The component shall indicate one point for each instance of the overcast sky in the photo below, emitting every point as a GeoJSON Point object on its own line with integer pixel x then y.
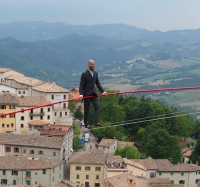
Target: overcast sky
{"type": "Point", "coordinates": [161, 15]}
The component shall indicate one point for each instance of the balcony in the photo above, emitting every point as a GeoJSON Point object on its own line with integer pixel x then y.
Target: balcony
{"type": "Point", "coordinates": [36, 113]}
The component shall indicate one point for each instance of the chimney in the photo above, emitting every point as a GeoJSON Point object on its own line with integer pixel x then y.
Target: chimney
{"type": "Point", "coordinates": [131, 183]}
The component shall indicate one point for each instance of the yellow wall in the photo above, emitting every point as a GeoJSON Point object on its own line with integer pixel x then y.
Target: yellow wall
{"type": "Point", "coordinates": [82, 174]}
{"type": "Point", "coordinates": [136, 171]}
{"type": "Point", "coordinates": [7, 120]}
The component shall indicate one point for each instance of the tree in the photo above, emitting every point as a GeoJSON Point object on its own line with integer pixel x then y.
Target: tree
{"type": "Point", "coordinates": [159, 146]}
{"type": "Point", "coordinates": [128, 152]}
{"type": "Point", "coordinates": [77, 144]}
{"type": "Point", "coordinates": [71, 106]}
{"type": "Point", "coordinates": [195, 154]}
{"type": "Point", "coordinates": [78, 113]}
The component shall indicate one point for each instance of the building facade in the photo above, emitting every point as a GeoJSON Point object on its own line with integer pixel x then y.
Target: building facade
{"type": "Point", "coordinates": [16, 170]}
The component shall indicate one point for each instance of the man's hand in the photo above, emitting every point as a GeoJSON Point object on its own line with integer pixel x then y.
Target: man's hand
{"type": "Point", "coordinates": [104, 93]}
{"type": "Point", "coordinates": [81, 97]}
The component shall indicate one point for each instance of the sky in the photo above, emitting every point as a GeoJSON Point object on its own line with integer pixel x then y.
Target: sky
{"type": "Point", "coordinates": [161, 15]}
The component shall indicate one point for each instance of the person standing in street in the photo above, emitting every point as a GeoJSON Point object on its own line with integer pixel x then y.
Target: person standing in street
{"type": "Point", "coordinates": [89, 79]}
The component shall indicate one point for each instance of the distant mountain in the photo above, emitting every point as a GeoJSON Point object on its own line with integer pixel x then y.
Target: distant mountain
{"type": "Point", "coordinates": [40, 30]}
{"type": "Point", "coordinates": [56, 60]}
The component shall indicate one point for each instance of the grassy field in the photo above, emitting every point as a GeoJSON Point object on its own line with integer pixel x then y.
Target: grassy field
{"type": "Point", "coordinates": [115, 80]}
{"type": "Point", "coordinates": [172, 75]}
{"type": "Point", "coordinates": [121, 87]}
{"type": "Point", "coordinates": [184, 98]}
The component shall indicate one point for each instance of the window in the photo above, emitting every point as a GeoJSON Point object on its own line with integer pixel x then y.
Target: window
{"type": "Point", "coordinates": [65, 113]}
{"type": "Point", "coordinates": [52, 96]}
{"type": "Point", "coordinates": [64, 96]}
{"type": "Point", "coordinates": [44, 171]}
{"type": "Point", "coordinates": [78, 167]}
{"type": "Point", "coordinates": [24, 151]}
{"type": "Point", "coordinates": [182, 174]}
{"type": "Point", "coordinates": [172, 182]}
{"type": "Point", "coordinates": [19, 92]}
{"type": "Point", "coordinates": [3, 125]}
{"type": "Point", "coordinates": [77, 176]}
{"type": "Point", "coordinates": [64, 105]}
{"type": "Point", "coordinates": [181, 182]}
{"type": "Point", "coordinates": [52, 179]}
{"type": "Point", "coordinates": [22, 125]}
{"type": "Point", "coordinates": [14, 172]}
{"type": "Point", "coordinates": [7, 125]}
{"type": "Point", "coordinates": [16, 150]}
{"type": "Point", "coordinates": [12, 115]}
{"type": "Point", "coordinates": [7, 149]}
{"type": "Point", "coordinates": [87, 176]}
{"type": "Point", "coordinates": [55, 114]}
{"type": "Point", "coordinates": [12, 107]}
{"type": "Point", "coordinates": [22, 118]}
{"type": "Point", "coordinates": [3, 116]}
{"type": "Point", "coordinates": [12, 125]}
{"type": "Point", "coordinates": [41, 117]}
{"type": "Point", "coordinates": [97, 168]}
{"type": "Point", "coordinates": [54, 153]}
{"type": "Point", "coordinates": [97, 176]}
{"type": "Point", "coordinates": [4, 172]}
{"type": "Point", "coordinates": [53, 170]}
{"type": "Point", "coordinates": [60, 114]}
{"type": "Point", "coordinates": [31, 117]}
{"type": "Point", "coordinates": [48, 117]}
{"type": "Point", "coordinates": [49, 109]}
{"type": "Point", "coordinates": [2, 106]}
{"type": "Point", "coordinates": [23, 92]}
{"type": "Point", "coordinates": [40, 153]}
{"type": "Point", "coordinates": [31, 151]}
{"type": "Point", "coordinates": [59, 175]}
{"type": "Point", "coordinates": [14, 182]}
{"type": "Point", "coordinates": [152, 174]}
{"type": "Point", "coordinates": [60, 167]}
{"type": "Point", "coordinates": [172, 173]}
{"type": "Point", "coordinates": [197, 180]}
{"type": "Point", "coordinates": [87, 168]}
{"type": "Point", "coordinates": [160, 174]}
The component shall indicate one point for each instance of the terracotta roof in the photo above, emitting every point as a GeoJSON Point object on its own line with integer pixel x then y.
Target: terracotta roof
{"type": "Point", "coordinates": [31, 141]}
{"type": "Point", "coordinates": [92, 156]}
{"type": "Point", "coordinates": [148, 163]}
{"type": "Point", "coordinates": [25, 163]}
{"type": "Point", "coordinates": [188, 153]}
{"type": "Point", "coordinates": [24, 80]}
{"type": "Point", "coordinates": [48, 87]}
{"type": "Point", "coordinates": [162, 164]}
{"type": "Point", "coordinates": [107, 142]}
{"type": "Point", "coordinates": [37, 122]}
{"type": "Point", "coordinates": [165, 165]}
{"type": "Point", "coordinates": [8, 98]}
{"type": "Point", "coordinates": [123, 180]}
{"type": "Point", "coordinates": [28, 101]}
{"type": "Point", "coordinates": [3, 70]}
{"type": "Point", "coordinates": [131, 162]}
{"type": "Point", "coordinates": [164, 182]}
{"type": "Point", "coordinates": [62, 127]}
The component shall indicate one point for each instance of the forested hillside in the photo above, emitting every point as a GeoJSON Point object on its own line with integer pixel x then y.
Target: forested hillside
{"type": "Point", "coordinates": [152, 124]}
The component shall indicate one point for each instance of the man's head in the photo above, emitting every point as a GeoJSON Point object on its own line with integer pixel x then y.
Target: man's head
{"type": "Point", "coordinates": [91, 65]}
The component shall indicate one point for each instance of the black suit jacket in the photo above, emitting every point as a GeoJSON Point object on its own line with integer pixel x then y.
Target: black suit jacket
{"type": "Point", "coordinates": [87, 84]}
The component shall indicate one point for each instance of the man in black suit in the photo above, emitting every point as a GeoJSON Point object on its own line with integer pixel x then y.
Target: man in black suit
{"type": "Point", "coordinates": [89, 79]}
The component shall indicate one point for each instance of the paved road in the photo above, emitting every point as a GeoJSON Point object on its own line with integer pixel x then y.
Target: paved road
{"type": "Point", "coordinates": [184, 149]}
{"type": "Point", "coordinates": [92, 141]}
